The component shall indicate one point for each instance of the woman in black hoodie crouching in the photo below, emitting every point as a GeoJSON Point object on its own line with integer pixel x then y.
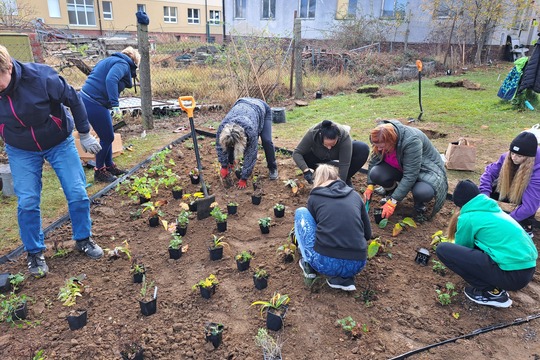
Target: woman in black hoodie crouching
{"type": "Point", "coordinates": [332, 230]}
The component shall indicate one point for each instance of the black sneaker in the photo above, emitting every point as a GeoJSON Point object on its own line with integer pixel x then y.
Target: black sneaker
{"type": "Point", "coordinates": [346, 284]}
{"type": "Point", "coordinates": [36, 265]}
{"type": "Point", "coordinates": [89, 247]}
{"type": "Point", "coordinates": [273, 174]}
{"type": "Point", "coordinates": [102, 175]}
{"type": "Point", "coordinates": [113, 169]}
{"type": "Point", "coordinates": [308, 271]}
{"type": "Point", "coordinates": [495, 297]}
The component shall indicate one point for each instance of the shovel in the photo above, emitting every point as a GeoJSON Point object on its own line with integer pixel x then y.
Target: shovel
{"type": "Point", "coordinates": [203, 205]}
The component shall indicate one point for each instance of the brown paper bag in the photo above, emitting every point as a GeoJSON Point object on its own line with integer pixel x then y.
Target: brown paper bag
{"type": "Point", "coordinates": [461, 155]}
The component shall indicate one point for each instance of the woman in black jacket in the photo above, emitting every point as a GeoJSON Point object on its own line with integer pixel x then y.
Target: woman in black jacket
{"type": "Point", "coordinates": [332, 230]}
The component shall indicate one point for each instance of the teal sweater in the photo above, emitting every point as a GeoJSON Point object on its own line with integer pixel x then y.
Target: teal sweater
{"type": "Point", "coordinates": [483, 224]}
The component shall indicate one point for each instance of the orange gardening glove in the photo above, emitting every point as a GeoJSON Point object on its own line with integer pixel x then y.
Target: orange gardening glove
{"type": "Point", "coordinates": [224, 172]}
{"type": "Point", "coordinates": [242, 184]}
{"type": "Point", "coordinates": [388, 209]}
{"type": "Point", "coordinates": [368, 193]}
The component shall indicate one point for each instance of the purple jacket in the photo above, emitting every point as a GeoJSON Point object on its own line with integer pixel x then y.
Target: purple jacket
{"type": "Point", "coordinates": [531, 196]}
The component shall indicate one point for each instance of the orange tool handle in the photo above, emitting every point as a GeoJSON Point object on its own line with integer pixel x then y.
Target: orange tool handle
{"type": "Point", "coordinates": [188, 110]}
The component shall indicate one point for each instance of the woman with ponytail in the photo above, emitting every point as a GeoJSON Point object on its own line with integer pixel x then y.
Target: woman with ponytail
{"type": "Point", "coordinates": [492, 252]}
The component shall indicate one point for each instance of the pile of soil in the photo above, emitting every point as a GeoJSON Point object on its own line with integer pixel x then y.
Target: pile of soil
{"type": "Point", "coordinates": [395, 299]}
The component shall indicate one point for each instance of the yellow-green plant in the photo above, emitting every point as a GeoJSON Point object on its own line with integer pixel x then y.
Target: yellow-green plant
{"type": "Point", "coordinates": [261, 273]}
{"type": "Point", "coordinates": [71, 290]}
{"type": "Point", "coordinates": [218, 215]}
{"type": "Point", "coordinates": [118, 250]}
{"type": "Point", "coordinates": [287, 249]}
{"type": "Point", "coordinates": [437, 238]}
{"type": "Point", "coordinates": [400, 226]}
{"type": "Point", "coordinates": [183, 218]}
{"type": "Point", "coordinates": [217, 242]}
{"type": "Point", "coordinates": [445, 295]}
{"type": "Point", "coordinates": [210, 281]}
{"type": "Point", "coordinates": [377, 246]}
{"type": "Point", "coordinates": [276, 302]}
{"type": "Point", "coordinates": [244, 256]}
{"type": "Point", "coordinates": [265, 221]}
{"type": "Point", "coordinates": [145, 286]}
{"type": "Point", "coordinates": [175, 242]}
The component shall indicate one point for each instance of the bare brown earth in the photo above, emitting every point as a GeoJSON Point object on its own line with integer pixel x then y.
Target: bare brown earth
{"type": "Point", "coordinates": [402, 314]}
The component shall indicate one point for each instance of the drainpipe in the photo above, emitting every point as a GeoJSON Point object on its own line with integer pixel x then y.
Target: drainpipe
{"type": "Point", "coordinates": [99, 19]}
{"type": "Point", "coordinates": [206, 20]}
{"type": "Point", "coordinates": [223, 19]}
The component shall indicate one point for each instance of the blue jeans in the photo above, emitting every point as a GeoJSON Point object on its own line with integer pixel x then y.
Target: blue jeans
{"type": "Point", "coordinates": [304, 229]}
{"type": "Point", "coordinates": [101, 121]}
{"type": "Point", "coordinates": [26, 170]}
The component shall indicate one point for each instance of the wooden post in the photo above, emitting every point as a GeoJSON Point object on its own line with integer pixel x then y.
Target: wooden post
{"type": "Point", "coordinates": [298, 88]}
{"type": "Point", "coordinates": [146, 80]}
{"type": "Point", "coordinates": [292, 61]}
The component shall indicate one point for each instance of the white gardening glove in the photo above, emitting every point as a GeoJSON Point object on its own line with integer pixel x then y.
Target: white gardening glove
{"type": "Point", "coordinates": [117, 113]}
{"type": "Point", "coordinates": [89, 143]}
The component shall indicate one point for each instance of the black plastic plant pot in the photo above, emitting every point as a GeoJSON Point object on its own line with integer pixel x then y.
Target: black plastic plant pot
{"type": "Point", "coordinates": [216, 337]}
{"type": "Point", "coordinates": [5, 285]}
{"type": "Point", "coordinates": [318, 95]}
{"type": "Point", "coordinates": [377, 215]}
{"type": "Point", "coordinates": [265, 229]}
{"type": "Point", "coordinates": [279, 213]}
{"type": "Point", "coordinates": [181, 230]}
{"type": "Point", "coordinates": [193, 207]}
{"type": "Point", "coordinates": [138, 355]}
{"type": "Point", "coordinates": [232, 209]}
{"type": "Point", "coordinates": [422, 256]}
{"type": "Point", "coordinates": [207, 293]}
{"type": "Point", "coordinates": [238, 174]}
{"type": "Point", "coordinates": [77, 320]}
{"type": "Point", "coordinates": [260, 282]}
{"type": "Point", "coordinates": [267, 356]}
{"type": "Point", "coordinates": [274, 318]}
{"type": "Point", "coordinates": [256, 200]}
{"type": "Point", "coordinates": [153, 221]}
{"type": "Point", "coordinates": [216, 253]}
{"type": "Point", "coordinates": [222, 226]}
{"type": "Point", "coordinates": [21, 312]}
{"type": "Point", "coordinates": [143, 199]}
{"type": "Point", "coordinates": [288, 258]}
{"type": "Point", "coordinates": [242, 265]}
{"type": "Point", "coordinates": [138, 278]}
{"type": "Point", "coordinates": [148, 307]}
{"type": "Point", "coordinates": [175, 253]}
{"type": "Point", "coordinates": [177, 194]}
{"type": "Point", "coordinates": [195, 179]}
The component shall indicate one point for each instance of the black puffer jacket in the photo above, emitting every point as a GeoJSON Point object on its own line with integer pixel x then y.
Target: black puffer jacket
{"type": "Point", "coordinates": [531, 74]}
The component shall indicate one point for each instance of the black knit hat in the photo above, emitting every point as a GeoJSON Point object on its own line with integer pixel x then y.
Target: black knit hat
{"type": "Point", "coordinates": [465, 191]}
{"type": "Point", "coordinates": [524, 144]}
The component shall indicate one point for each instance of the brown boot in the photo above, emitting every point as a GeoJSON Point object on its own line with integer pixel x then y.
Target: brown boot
{"type": "Point", "coordinates": [102, 175]}
{"type": "Point", "coordinates": [113, 169]}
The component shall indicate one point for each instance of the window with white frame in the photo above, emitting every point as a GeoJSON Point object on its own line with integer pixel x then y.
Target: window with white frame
{"type": "Point", "coordinates": [268, 9]}
{"type": "Point", "coordinates": [81, 12]}
{"type": "Point", "coordinates": [239, 9]}
{"type": "Point", "coordinates": [141, 7]}
{"type": "Point", "coordinates": [107, 10]}
{"type": "Point", "coordinates": [394, 8]}
{"type": "Point", "coordinates": [215, 17]}
{"type": "Point", "coordinates": [54, 8]}
{"type": "Point", "coordinates": [307, 9]}
{"type": "Point", "coordinates": [353, 6]}
{"type": "Point", "coordinates": [169, 14]}
{"type": "Point", "coordinates": [193, 16]}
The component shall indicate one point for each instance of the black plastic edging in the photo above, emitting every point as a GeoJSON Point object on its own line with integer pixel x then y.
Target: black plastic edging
{"type": "Point", "coordinates": [12, 256]}
{"type": "Point", "coordinates": [483, 330]}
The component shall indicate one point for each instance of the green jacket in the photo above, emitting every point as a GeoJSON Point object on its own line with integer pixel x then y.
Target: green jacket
{"type": "Point", "coordinates": [483, 224]}
{"type": "Point", "coordinates": [313, 142]}
{"type": "Point", "coordinates": [419, 160]}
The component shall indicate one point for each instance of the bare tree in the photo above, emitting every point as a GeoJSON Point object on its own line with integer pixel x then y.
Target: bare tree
{"type": "Point", "coordinates": [16, 14]}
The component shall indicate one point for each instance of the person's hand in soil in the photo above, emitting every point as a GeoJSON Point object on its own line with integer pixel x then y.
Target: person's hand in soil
{"type": "Point", "coordinates": [388, 208]}
{"type": "Point", "coordinates": [308, 175]}
{"type": "Point", "coordinates": [242, 184]}
{"type": "Point", "coordinates": [368, 193]}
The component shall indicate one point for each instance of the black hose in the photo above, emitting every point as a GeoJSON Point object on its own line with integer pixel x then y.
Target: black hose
{"type": "Point", "coordinates": [483, 330]}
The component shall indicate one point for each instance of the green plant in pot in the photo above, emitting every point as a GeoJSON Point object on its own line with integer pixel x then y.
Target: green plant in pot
{"type": "Point", "coordinates": [271, 347]}
{"type": "Point", "coordinates": [182, 222]}
{"type": "Point", "coordinates": [264, 224]}
{"type": "Point", "coordinates": [155, 213]}
{"type": "Point", "coordinates": [13, 307]}
{"type": "Point", "coordinates": [177, 192]}
{"type": "Point", "coordinates": [16, 280]}
{"type": "Point", "coordinates": [232, 207]}
{"type": "Point", "coordinates": [220, 217]}
{"type": "Point", "coordinates": [243, 259]}
{"type": "Point", "coordinates": [279, 210]}
{"type": "Point", "coordinates": [275, 309]}
{"type": "Point", "coordinates": [138, 271]}
{"type": "Point", "coordinates": [73, 289]}
{"type": "Point", "coordinates": [288, 251]}
{"type": "Point", "coordinates": [148, 299]}
{"type": "Point", "coordinates": [213, 333]}
{"type": "Point", "coordinates": [207, 286]}
{"type": "Point", "coordinates": [175, 247]}
{"type": "Point", "coordinates": [191, 199]}
{"type": "Point", "coordinates": [216, 247]}
{"type": "Point", "coordinates": [260, 278]}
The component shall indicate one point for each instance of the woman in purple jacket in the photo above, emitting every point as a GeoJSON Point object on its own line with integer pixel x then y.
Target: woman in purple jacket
{"type": "Point", "coordinates": [515, 179]}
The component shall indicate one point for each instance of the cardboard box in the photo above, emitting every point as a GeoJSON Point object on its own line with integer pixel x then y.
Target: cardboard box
{"type": "Point", "coordinates": [117, 147]}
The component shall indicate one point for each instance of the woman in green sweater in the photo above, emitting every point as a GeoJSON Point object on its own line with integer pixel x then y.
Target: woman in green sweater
{"type": "Point", "coordinates": [491, 252]}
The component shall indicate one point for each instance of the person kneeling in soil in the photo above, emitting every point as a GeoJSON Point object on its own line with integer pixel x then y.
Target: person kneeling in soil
{"type": "Point", "coordinates": [327, 142]}
{"type": "Point", "coordinates": [332, 230]}
{"type": "Point", "coordinates": [238, 136]}
{"type": "Point", "coordinates": [404, 160]}
{"type": "Point", "coordinates": [492, 252]}
{"type": "Point", "coordinates": [515, 178]}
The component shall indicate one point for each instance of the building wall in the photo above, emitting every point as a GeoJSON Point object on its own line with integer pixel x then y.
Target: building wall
{"type": "Point", "coordinates": [124, 20]}
{"type": "Point", "coordinates": [330, 13]}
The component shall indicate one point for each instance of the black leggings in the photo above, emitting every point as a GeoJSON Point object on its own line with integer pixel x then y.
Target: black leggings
{"type": "Point", "coordinates": [386, 175]}
{"type": "Point", "coordinates": [479, 270]}
{"type": "Point", "coordinates": [360, 153]}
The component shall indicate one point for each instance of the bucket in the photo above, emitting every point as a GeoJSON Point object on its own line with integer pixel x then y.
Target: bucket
{"type": "Point", "coordinates": [278, 115]}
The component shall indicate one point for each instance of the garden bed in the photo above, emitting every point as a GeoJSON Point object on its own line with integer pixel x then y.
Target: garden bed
{"type": "Point", "coordinates": [395, 302]}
